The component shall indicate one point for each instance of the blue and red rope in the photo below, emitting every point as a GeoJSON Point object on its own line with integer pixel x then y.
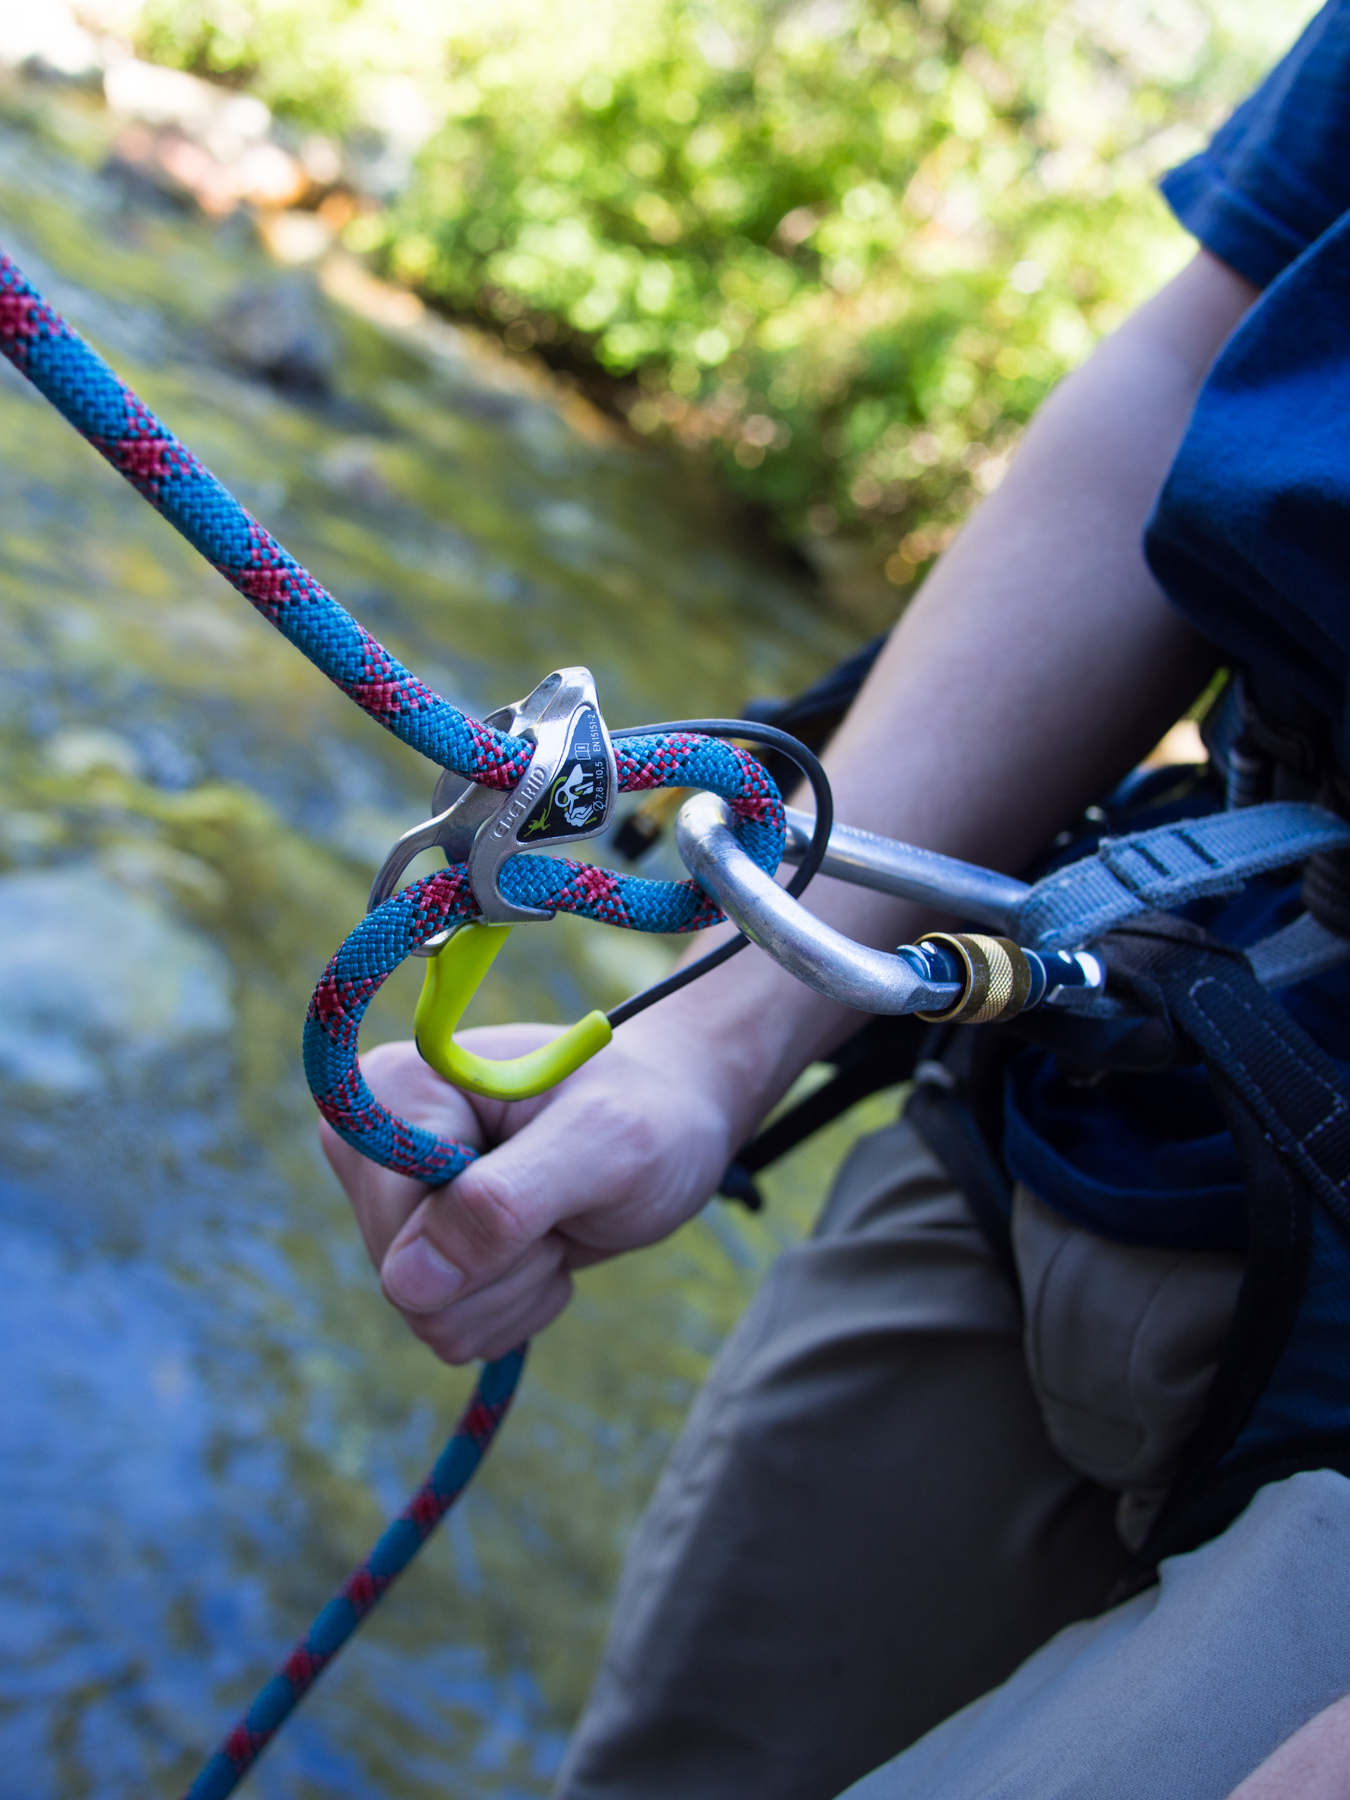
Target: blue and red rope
{"type": "Point", "coordinates": [86, 392]}
{"type": "Point", "coordinates": [365, 1586]}
{"type": "Point", "coordinates": [55, 358]}
{"type": "Point", "coordinates": [81, 386]}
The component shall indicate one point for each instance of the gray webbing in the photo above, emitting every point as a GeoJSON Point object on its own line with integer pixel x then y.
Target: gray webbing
{"type": "Point", "coordinates": [1297, 953]}
{"type": "Point", "coordinates": [1162, 869]}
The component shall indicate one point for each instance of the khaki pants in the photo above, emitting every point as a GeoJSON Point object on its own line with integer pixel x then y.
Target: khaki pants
{"type": "Point", "coordinates": [1178, 1694]}
{"type": "Point", "coordinates": [863, 1527]}
{"type": "Point", "coordinates": [873, 1518]}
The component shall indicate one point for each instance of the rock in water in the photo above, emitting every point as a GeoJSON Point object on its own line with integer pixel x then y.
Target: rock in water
{"type": "Point", "coordinates": [277, 329]}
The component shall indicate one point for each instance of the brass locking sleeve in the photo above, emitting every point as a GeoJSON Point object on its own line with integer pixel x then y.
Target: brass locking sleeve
{"type": "Point", "coordinates": [998, 978]}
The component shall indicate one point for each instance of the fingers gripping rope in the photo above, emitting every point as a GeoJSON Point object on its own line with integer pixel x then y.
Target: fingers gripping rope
{"type": "Point", "coordinates": [385, 937]}
{"type": "Point", "coordinates": [82, 387]}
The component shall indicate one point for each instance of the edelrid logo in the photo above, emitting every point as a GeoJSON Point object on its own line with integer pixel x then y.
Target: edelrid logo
{"type": "Point", "coordinates": [520, 802]}
{"type": "Point", "coordinates": [573, 803]}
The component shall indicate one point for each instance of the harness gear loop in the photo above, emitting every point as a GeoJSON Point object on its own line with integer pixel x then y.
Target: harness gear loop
{"type": "Point", "coordinates": [454, 974]}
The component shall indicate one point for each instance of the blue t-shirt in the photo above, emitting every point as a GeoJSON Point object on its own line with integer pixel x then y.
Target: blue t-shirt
{"type": "Point", "coordinates": [1250, 538]}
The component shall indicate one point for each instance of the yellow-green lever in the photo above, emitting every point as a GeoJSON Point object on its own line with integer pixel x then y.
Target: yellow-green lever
{"type": "Point", "coordinates": [453, 977]}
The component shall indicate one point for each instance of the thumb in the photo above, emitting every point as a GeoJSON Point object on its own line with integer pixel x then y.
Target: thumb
{"type": "Point", "coordinates": [466, 1235]}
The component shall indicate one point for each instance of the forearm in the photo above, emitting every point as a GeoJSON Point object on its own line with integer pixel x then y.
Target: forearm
{"type": "Point", "coordinates": [1039, 662]}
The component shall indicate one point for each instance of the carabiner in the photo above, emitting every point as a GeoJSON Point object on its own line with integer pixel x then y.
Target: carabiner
{"type": "Point", "coordinates": [454, 975]}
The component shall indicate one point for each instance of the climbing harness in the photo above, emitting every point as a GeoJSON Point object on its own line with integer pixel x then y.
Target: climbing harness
{"type": "Point", "coordinates": [1174, 998]}
{"type": "Point", "coordinates": [545, 771]}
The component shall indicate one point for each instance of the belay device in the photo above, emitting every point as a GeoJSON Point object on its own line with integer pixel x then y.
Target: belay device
{"type": "Point", "coordinates": [545, 772]}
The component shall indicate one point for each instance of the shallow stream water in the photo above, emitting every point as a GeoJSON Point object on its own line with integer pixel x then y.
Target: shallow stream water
{"type": "Point", "coordinates": [209, 1412]}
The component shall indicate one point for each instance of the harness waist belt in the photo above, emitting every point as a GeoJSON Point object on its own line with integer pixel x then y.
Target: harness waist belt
{"type": "Point", "coordinates": [1161, 869]}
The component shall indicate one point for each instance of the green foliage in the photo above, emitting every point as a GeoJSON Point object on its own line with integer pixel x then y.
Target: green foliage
{"type": "Point", "coordinates": [844, 245]}
{"type": "Point", "coordinates": [296, 56]}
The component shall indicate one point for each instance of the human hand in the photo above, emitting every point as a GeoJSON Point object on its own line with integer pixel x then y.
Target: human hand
{"type": "Point", "coordinates": [617, 1156]}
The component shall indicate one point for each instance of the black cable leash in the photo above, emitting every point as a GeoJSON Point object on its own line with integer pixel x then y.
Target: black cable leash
{"type": "Point", "coordinates": [786, 745]}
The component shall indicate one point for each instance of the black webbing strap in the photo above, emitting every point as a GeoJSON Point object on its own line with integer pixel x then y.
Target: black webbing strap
{"type": "Point", "coordinates": [880, 1054]}
{"type": "Point", "coordinates": [1289, 1083]}
{"type": "Point", "coordinates": [943, 1118]}
{"type": "Point", "coordinates": [1290, 1119]}
{"type": "Point", "coordinates": [957, 1109]}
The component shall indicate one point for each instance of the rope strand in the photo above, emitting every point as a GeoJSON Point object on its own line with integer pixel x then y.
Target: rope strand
{"type": "Point", "coordinates": [366, 1586]}
{"type": "Point", "coordinates": [85, 390]}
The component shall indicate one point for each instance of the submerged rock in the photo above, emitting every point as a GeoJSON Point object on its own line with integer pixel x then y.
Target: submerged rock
{"type": "Point", "coordinates": [89, 971]}
{"type": "Point", "coordinates": [276, 329]}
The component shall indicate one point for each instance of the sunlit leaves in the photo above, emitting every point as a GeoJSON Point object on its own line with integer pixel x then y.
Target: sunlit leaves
{"type": "Point", "coordinates": [885, 229]}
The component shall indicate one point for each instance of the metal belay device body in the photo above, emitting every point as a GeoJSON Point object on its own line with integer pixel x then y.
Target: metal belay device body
{"type": "Point", "coordinates": [566, 794]}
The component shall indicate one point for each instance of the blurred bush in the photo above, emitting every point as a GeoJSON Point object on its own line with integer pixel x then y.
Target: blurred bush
{"type": "Point", "coordinates": [843, 247]}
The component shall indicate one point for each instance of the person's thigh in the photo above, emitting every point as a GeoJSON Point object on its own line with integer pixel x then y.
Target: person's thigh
{"type": "Point", "coordinates": [863, 1525]}
{"type": "Point", "coordinates": [1179, 1693]}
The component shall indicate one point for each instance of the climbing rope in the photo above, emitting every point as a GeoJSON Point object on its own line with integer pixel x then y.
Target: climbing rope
{"type": "Point", "coordinates": [454, 1469]}
{"type": "Point", "coordinates": [74, 377]}
{"type": "Point", "coordinates": [84, 389]}
{"type": "Point", "coordinates": [424, 908]}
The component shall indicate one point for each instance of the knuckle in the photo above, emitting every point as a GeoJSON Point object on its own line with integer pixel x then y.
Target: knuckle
{"type": "Point", "coordinates": [627, 1131]}
{"type": "Point", "coordinates": [450, 1342]}
{"type": "Point", "coordinates": [490, 1213]}
{"type": "Point", "coordinates": [386, 1062]}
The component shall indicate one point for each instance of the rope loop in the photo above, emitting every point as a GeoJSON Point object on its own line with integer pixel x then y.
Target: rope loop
{"type": "Point", "coordinates": [81, 386]}
{"type": "Point", "coordinates": [122, 428]}
{"type": "Point", "coordinates": [419, 911]}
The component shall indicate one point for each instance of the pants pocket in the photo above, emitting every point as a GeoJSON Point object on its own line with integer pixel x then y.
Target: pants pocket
{"type": "Point", "coordinates": [1121, 1345]}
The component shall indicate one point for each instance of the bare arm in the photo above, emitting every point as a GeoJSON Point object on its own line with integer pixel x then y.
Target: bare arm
{"type": "Point", "coordinates": [1039, 662]}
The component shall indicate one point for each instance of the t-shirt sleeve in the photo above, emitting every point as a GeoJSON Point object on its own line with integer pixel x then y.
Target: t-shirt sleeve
{"type": "Point", "coordinates": [1277, 175]}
